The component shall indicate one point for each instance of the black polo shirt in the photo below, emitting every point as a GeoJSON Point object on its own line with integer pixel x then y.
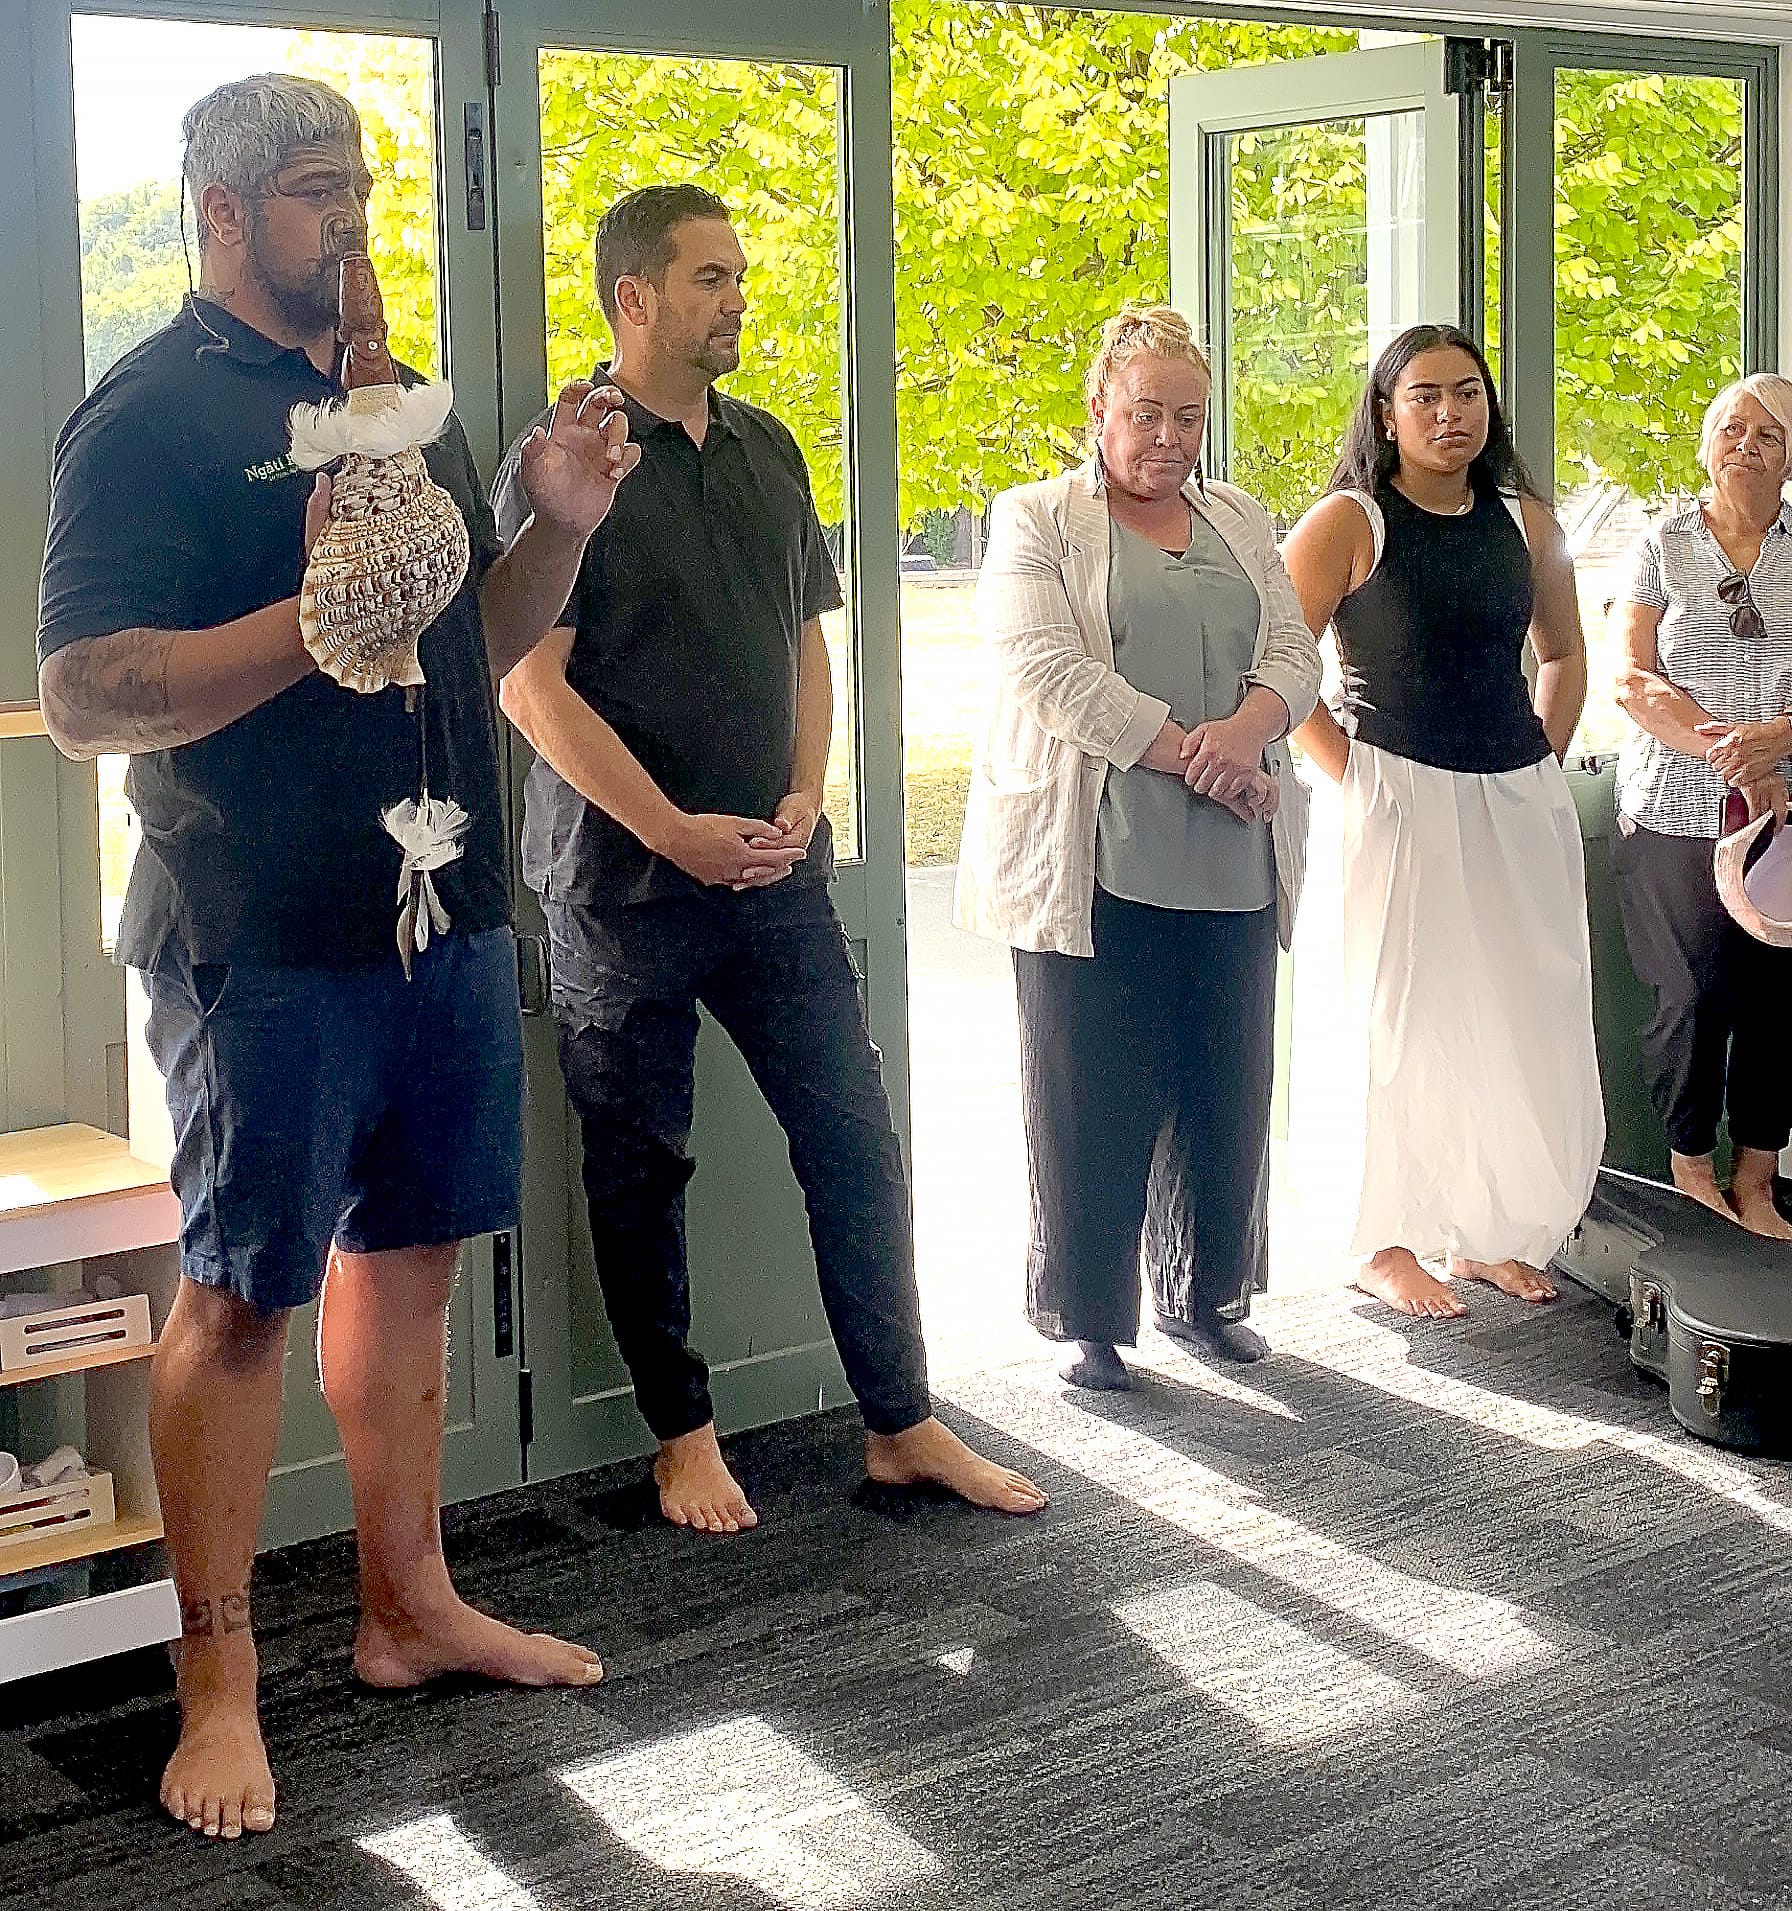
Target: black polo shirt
{"type": "Point", "coordinates": [174, 506]}
{"type": "Point", "coordinates": [687, 623]}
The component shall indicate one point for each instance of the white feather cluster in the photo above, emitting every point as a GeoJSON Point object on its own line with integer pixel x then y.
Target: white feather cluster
{"type": "Point", "coordinates": [323, 433]}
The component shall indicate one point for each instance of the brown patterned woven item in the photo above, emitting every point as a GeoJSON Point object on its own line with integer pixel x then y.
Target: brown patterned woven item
{"type": "Point", "coordinates": [395, 549]}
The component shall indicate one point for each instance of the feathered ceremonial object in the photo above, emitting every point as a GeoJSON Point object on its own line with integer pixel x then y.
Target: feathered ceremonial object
{"type": "Point", "coordinates": [394, 551]}
{"type": "Point", "coordinates": [1758, 894]}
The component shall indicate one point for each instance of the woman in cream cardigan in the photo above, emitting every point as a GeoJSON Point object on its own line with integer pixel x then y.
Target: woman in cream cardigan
{"type": "Point", "coordinates": [1135, 834]}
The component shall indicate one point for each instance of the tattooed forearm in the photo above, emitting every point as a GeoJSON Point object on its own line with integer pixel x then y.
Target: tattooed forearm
{"type": "Point", "coordinates": [204, 1619]}
{"type": "Point", "coordinates": [112, 693]}
{"type": "Point", "coordinates": [140, 690]}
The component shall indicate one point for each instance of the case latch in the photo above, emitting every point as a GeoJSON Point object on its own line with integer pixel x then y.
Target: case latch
{"type": "Point", "coordinates": [1714, 1377]}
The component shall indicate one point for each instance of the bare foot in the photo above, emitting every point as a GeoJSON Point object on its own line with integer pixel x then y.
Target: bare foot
{"type": "Point", "coordinates": [1751, 1194]}
{"type": "Point", "coordinates": [1696, 1175]}
{"type": "Point", "coordinates": [696, 1488]}
{"type": "Point", "coordinates": [396, 1650]}
{"type": "Point", "coordinates": [1396, 1277]}
{"type": "Point", "coordinates": [218, 1780]}
{"type": "Point", "coordinates": [1517, 1278]}
{"type": "Point", "coordinates": [1756, 1211]}
{"type": "Point", "coordinates": [931, 1454]}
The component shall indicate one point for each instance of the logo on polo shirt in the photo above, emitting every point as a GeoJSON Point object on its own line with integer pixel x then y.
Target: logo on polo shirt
{"type": "Point", "coordinates": [282, 467]}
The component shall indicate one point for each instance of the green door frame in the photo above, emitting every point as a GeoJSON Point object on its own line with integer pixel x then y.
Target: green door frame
{"type": "Point", "coordinates": [758, 1318]}
{"type": "Point", "coordinates": [1527, 307]}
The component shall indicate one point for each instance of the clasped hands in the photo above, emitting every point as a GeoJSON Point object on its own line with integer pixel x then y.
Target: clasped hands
{"type": "Point", "coordinates": [1748, 756]}
{"type": "Point", "coordinates": [1221, 760]}
{"type": "Point", "coordinates": [744, 852]}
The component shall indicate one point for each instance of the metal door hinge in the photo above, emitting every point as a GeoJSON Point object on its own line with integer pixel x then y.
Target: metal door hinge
{"type": "Point", "coordinates": [1478, 66]}
{"type": "Point", "coordinates": [493, 66]}
{"type": "Point", "coordinates": [525, 1406]}
{"type": "Point", "coordinates": [503, 1299]}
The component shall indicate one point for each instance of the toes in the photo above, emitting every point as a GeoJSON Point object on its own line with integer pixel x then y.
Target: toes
{"type": "Point", "coordinates": [214, 1816]}
{"type": "Point", "coordinates": [230, 1825]}
{"type": "Point", "coordinates": [258, 1815]}
{"type": "Point", "coordinates": [748, 1518]}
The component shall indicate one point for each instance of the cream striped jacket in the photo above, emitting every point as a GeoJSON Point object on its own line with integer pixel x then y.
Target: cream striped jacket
{"type": "Point", "coordinates": [1060, 713]}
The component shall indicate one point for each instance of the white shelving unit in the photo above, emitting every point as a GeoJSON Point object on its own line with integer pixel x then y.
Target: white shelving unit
{"type": "Point", "coordinates": [76, 1197]}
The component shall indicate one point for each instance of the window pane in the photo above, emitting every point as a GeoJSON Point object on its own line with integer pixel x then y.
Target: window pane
{"type": "Point", "coordinates": [134, 79]}
{"type": "Point", "coordinates": [1327, 265]}
{"type": "Point", "coordinates": [765, 136]}
{"type": "Point", "coordinates": [1648, 274]}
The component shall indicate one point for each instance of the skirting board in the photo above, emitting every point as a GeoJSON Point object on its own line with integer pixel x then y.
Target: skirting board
{"type": "Point", "coordinates": [84, 1629]}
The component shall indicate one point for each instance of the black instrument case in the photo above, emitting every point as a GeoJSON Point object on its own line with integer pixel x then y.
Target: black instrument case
{"type": "Point", "coordinates": [1707, 1306]}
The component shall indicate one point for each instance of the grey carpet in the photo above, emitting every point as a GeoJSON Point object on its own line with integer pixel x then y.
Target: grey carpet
{"type": "Point", "coordinates": [1439, 1616]}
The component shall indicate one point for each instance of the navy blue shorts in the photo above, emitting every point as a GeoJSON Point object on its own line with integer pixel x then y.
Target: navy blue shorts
{"type": "Point", "coordinates": [345, 1105]}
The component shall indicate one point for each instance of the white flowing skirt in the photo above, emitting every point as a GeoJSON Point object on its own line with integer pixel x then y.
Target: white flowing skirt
{"type": "Point", "coordinates": [1467, 985]}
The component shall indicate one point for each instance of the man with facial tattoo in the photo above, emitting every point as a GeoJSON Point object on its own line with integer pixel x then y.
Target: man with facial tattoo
{"type": "Point", "coordinates": [328, 1111]}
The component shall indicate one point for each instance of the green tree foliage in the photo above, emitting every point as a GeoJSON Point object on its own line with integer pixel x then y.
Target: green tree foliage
{"type": "Point", "coordinates": [1032, 192]}
{"type": "Point", "coordinates": [763, 136]}
{"type": "Point", "coordinates": [1648, 272]}
{"type": "Point", "coordinates": [1032, 199]}
{"type": "Point", "coordinates": [132, 277]}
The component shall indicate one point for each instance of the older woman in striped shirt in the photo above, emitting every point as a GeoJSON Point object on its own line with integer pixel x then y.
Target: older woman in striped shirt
{"type": "Point", "coordinates": [1707, 685]}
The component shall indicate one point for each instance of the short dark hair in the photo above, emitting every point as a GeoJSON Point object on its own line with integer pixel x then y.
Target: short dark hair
{"type": "Point", "coordinates": [1369, 458]}
{"type": "Point", "coordinates": [634, 238]}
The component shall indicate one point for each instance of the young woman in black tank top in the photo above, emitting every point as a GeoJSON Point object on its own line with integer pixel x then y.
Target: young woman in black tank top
{"type": "Point", "coordinates": [1472, 1077]}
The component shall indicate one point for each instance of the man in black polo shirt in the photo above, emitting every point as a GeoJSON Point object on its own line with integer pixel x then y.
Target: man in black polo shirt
{"type": "Point", "coordinates": [681, 718]}
{"type": "Point", "coordinates": [324, 1107]}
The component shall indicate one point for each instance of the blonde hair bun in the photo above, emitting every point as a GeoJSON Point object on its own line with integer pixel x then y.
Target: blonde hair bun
{"type": "Point", "coordinates": [1135, 329]}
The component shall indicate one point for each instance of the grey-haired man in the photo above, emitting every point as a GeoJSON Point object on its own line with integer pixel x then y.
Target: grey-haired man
{"type": "Point", "coordinates": [327, 1111]}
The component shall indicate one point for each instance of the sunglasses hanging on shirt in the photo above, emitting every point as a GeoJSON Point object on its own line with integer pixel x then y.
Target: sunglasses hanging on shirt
{"type": "Point", "coordinates": [1746, 620]}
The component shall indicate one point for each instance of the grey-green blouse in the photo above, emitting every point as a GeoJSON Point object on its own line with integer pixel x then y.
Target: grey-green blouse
{"type": "Point", "coordinates": [1185, 629]}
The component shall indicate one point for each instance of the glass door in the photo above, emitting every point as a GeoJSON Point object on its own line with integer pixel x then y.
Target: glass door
{"type": "Point", "coordinates": [783, 110]}
{"type": "Point", "coordinates": [1315, 212]}
{"type": "Point", "coordinates": [114, 251]}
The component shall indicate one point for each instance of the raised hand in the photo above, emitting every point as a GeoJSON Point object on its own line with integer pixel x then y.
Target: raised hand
{"type": "Point", "coordinates": [571, 471]}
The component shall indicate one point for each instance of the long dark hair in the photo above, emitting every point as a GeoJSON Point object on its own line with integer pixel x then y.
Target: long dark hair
{"type": "Point", "coordinates": [1370, 458]}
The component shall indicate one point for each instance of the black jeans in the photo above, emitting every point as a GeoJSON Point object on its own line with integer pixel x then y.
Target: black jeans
{"type": "Point", "coordinates": [1721, 1034]}
{"type": "Point", "coordinates": [1145, 1076]}
{"type": "Point", "coordinates": [773, 968]}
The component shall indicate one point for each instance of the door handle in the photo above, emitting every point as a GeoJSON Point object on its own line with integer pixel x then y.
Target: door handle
{"type": "Point", "coordinates": [532, 974]}
{"type": "Point", "coordinates": [473, 125]}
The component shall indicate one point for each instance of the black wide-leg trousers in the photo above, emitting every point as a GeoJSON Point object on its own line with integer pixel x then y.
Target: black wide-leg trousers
{"type": "Point", "coordinates": [1146, 1073]}
{"type": "Point", "coordinates": [1720, 1039]}
{"type": "Point", "coordinates": [772, 966]}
